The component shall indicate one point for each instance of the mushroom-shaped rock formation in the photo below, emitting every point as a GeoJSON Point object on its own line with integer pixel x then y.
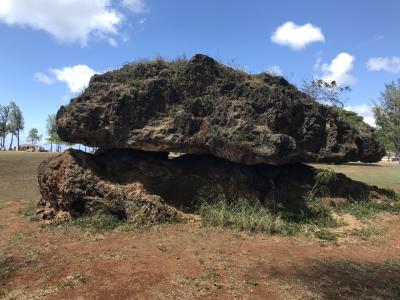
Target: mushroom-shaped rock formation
{"type": "Point", "coordinates": [203, 107]}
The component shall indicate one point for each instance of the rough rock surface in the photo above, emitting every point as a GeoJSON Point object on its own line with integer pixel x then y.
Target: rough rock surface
{"type": "Point", "coordinates": [151, 188]}
{"type": "Point", "coordinates": [202, 107]}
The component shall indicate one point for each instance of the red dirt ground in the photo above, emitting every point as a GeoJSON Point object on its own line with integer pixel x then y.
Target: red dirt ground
{"type": "Point", "coordinates": [187, 261]}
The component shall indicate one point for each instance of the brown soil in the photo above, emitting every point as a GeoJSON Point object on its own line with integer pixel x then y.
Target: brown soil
{"type": "Point", "coordinates": [187, 261]}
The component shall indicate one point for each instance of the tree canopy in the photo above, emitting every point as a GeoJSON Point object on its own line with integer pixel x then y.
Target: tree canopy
{"type": "Point", "coordinates": [33, 136]}
{"type": "Point", "coordinates": [11, 122]}
{"type": "Point", "coordinates": [387, 115]}
{"type": "Point", "coordinates": [326, 92]}
{"type": "Point", "coordinates": [4, 123]}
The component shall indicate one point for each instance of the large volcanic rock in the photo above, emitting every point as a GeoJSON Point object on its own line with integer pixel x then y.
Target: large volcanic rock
{"type": "Point", "coordinates": [202, 107]}
{"type": "Point", "coordinates": [151, 188]}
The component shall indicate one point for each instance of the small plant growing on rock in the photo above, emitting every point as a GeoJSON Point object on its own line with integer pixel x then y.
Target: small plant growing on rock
{"type": "Point", "coordinates": [323, 177]}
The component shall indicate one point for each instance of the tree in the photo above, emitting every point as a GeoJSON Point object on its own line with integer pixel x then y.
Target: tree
{"type": "Point", "coordinates": [16, 121]}
{"type": "Point", "coordinates": [387, 116]}
{"type": "Point", "coordinates": [350, 117]}
{"type": "Point", "coordinates": [33, 136]}
{"type": "Point", "coordinates": [4, 124]}
{"type": "Point", "coordinates": [326, 92]}
{"type": "Point", "coordinates": [51, 130]}
{"type": "Point", "coordinates": [55, 139]}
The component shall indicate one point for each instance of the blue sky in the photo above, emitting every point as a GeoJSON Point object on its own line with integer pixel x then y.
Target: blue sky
{"type": "Point", "coordinates": [49, 49]}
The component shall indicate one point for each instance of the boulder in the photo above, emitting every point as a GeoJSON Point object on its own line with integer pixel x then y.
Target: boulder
{"type": "Point", "coordinates": [203, 107]}
{"type": "Point", "coordinates": [151, 188]}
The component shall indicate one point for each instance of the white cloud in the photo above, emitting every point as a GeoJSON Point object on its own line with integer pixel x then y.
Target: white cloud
{"type": "Point", "coordinates": [112, 42]}
{"type": "Point", "coordinates": [136, 6]}
{"type": "Point", "coordinates": [389, 64]}
{"type": "Point", "coordinates": [43, 78]}
{"type": "Point", "coordinates": [67, 20]}
{"type": "Point", "coordinates": [76, 77]}
{"type": "Point", "coordinates": [364, 110]}
{"type": "Point", "coordinates": [339, 69]}
{"type": "Point", "coordinates": [318, 62]}
{"type": "Point", "coordinates": [297, 37]}
{"type": "Point", "coordinates": [275, 70]}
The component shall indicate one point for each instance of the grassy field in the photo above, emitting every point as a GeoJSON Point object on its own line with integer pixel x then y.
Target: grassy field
{"type": "Point", "coordinates": [359, 260]}
{"type": "Point", "coordinates": [17, 174]}
{"type": "Point", "coordinates": [384, 175]}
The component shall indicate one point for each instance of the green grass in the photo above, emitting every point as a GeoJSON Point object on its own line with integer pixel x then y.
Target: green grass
{"type": "Point", "coordinates": [7, 265]}
{"type": "Point", "coordinates": [326, 235]}
{"type": "Point", "coordinates": [94, 223]}
{"type": "Point", "coordinates": [383, 175]}
{"type": "Point", "coordinates": [318, 214]}
{"type": "Point", "coordinates": [98, 222]}
{"type": "Point", "coordinates": [366, 232]}
{"type": "Point", "coordinates": [253, 217]}
{"type": "Point", "coordinates": [246, 216]}
{"type": "Point", "coordinates": [29, 210]}
{"type": "Point", "coordinates": [367, 209]}
{"type": "Point", "coordinates": [18, 176]}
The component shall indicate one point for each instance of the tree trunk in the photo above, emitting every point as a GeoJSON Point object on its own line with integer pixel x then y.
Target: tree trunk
{"type": "Point", "coordinates": [398, 153]}
{"type": "Point", "coordinates": [51, 146]}
{"type": "Point", "coordinates": [12, 137]}
{"type": "Point", "coordinates": [4, 141]}
{"type": "Point", "coordinates": [18, 140]}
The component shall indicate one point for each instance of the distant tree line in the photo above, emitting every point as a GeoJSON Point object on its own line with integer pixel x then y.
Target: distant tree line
{"type": "Point", "coordinates": [11, 123]}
